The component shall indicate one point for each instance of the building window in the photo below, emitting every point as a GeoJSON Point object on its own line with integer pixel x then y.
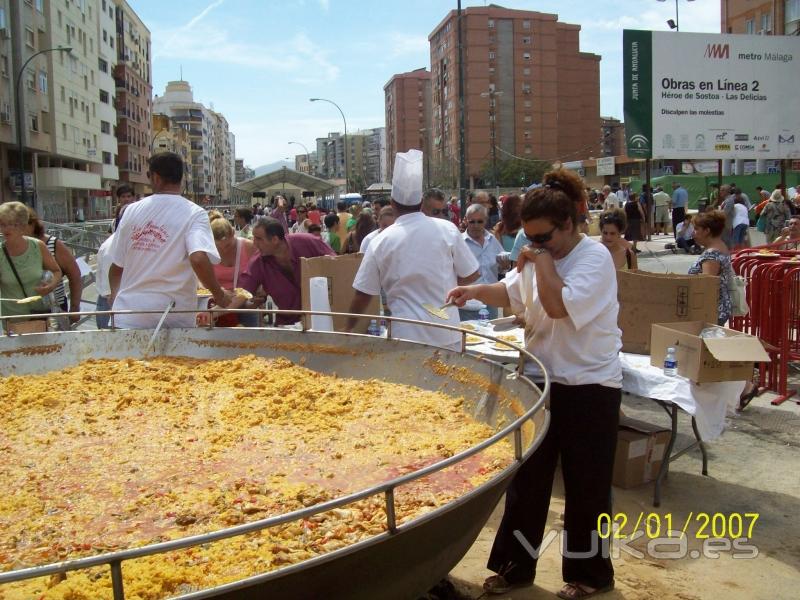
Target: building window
{"type": "Point", "coordinates": [64, 130]}
{"type": "Point", "coordinates": [107, 158]}
{"type": "Point", "coordinates": [40, 5]}
{"type": "Point", "coordinates": [526, 55]}
{"type": "Point", "coordinates": [766, 23]}
{"type": "Point", "coordinates": [105, 127]}
{"type": "Point", "coordinates": [102, 65]}
{"type": "Point", "coordinates": [42, 81]}
{"type": "Point", "coordinates": [104, 96]}
{"type": "Point", "coordinates": [30, 77]}
{"type": "Point", "coordinates": [526, 24]}
{"type": "Point", "coordinates": [750, 26]}
{"type": "Point", "coordinates": [527, 104]}
{"type": "Point", "coordinates": [30, 38]}
{"type": "Point", "coordinates": [105, 35]}
{"type": "Point", "coordinates": [527, 119]}
{"type": "Point", "coordinates": [526, 71]}
{"type": "Point", "coordinates": [491, 55]}
{"type": "Point", "coordinates": [491, 23]}
{"type": "Point", "coordinates": [2, 17]}
{"type": "Point", "coordinates": [4, 65]}
{"type": "Point", "coordinates": [526, 40]}
{"type": "Point", "coordinates": [33, 121]}
{"type": "Point", "coordinates": [528, 150]}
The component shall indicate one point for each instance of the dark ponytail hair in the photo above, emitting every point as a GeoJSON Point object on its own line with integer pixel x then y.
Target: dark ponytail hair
{"type": "Point", "coordinates": [557, 199]}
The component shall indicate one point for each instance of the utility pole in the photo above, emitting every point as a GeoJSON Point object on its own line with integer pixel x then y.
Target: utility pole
{"type": "Point", "coordinates": [491, 94]}
{"type": "Point", "coordinates": [462, 156]}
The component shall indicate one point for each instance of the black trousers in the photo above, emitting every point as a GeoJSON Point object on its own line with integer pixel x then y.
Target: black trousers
{"type": "Point", "coordinates": [678, 215]}
{"type": "Point", "coordinates": [583, 432]}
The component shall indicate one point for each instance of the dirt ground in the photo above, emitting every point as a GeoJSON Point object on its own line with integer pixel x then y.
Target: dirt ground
{"type": "Point", "coordinates": [753, 468]}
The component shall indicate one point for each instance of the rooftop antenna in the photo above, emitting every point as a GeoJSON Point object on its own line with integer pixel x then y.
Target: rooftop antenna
{"type": "Point", "coordinates": [181, 72]}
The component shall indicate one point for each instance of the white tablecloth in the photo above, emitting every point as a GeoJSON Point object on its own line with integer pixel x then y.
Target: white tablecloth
{"type": "Point", "coordinates": [707, 402]}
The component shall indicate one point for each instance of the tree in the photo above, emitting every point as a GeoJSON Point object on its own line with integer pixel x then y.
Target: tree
{"type": "Point", "coordinates": [513, 172]}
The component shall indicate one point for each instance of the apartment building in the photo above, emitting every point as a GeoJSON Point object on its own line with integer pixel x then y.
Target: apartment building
{"type": "Point", "coordinates": [209, 145]}
{"type": "Point", "coordinates": [407, 99]}
{"type": "Point", "coordinates": [172, 136]}
{"type": "Point", "coordinates": [243, 173]}
{"type": "Point", "coordinates": [134, 91]}
{"type": "Point", "coordinates": [106, 63]}
{"type": "Point", "coordinates": [612, 137]}
{"type": "Point", "coordinates": [529, 91]}
{"type": "Point", "coordinates": [760, 17]}
{"type": "Point", "coordinates": [330, 157]}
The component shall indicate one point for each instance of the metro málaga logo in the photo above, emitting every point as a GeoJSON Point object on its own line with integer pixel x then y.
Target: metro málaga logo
{"type": "Point", "coordinates": [718, 51]}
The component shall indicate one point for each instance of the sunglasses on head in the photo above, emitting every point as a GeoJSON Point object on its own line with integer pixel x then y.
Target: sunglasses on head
{"type": "Point", "coordinates": [541, 238]}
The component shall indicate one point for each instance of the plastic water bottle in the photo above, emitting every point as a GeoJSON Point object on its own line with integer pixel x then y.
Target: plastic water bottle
{"type": "Point", "coordinates": [483, 317]}
{"type": "Point", "coordinates": [374, 328]}
{"type": "Point", "coordinates": [670, 363]}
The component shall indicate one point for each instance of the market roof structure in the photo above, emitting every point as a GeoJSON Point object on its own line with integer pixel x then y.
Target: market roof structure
{"type": "Point", "coordinates": [288, 176]}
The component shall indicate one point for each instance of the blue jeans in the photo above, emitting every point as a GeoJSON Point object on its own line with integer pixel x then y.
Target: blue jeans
{"type": "Point", "coordinates": [103, 320]}
{"type": "Point", "coordinates": [739, 234]}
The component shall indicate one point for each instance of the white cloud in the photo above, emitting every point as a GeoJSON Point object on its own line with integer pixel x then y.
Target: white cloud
{"type": "Point", "coordinates": [403, 44]}
{"type": "Point", "coordinates": [299, 57]}
{"type": "Point", "coordinates": [325, 5]}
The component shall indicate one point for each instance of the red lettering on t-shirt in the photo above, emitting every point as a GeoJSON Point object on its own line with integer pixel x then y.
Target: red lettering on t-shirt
{"type": "Point", "coordinates": [149, 237]}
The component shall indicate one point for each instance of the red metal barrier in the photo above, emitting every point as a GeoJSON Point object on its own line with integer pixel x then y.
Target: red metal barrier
{"type": "Point", "coordinates": [773, 295]}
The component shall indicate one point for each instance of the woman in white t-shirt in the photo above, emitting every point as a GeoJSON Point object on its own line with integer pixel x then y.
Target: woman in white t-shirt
{"type": "Point", "coordinates": [567, 288]}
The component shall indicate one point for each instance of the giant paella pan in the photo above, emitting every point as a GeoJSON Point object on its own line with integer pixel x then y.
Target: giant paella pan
{"type": "Point", "coordinates": [390, 528]}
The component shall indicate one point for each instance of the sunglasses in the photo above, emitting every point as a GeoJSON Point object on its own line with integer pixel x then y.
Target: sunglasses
{"type": "Point", "coordinates": [476, 222]}
{"type": "Point", "coordinates": [541, 238]}
{"type": "Point", "coordinates": [437, 211]}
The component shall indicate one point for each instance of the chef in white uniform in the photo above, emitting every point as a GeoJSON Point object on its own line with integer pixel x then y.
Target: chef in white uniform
{"type": "Point", "coordinates": [415, 261]}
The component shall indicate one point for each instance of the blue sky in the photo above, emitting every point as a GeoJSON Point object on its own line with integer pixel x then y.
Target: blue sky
{"type": "Point", "coordinates": [259, 61]}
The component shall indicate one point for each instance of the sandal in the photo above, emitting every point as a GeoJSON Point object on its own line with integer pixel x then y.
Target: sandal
{"type": "Point", "coordinates": [497, 584]}
{"type": "Point", "coordinates": [574, 591]}
{"type": "Point", "coordinates": [746, 398]}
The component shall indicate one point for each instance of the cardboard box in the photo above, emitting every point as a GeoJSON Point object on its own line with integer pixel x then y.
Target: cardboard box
{"type": "Point", "coordinates": [640, 451]}
{"type": "Point", "coordinates": [646, 298]}
{"type": "Point", "coordinates": [706, 360]}
{"type": "Point", "coordinates": [340, 271]}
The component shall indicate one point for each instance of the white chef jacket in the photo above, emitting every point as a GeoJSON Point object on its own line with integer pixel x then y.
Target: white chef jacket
{"type": "Point", "coordinates": [417, 260]}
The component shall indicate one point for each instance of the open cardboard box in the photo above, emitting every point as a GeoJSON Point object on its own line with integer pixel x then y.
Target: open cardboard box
{"type": "Point", "coordinates": [340, 271]}
{"type": "Point", "coordinates": [646, 298]}
{"type": "Point", "coordinates": [707, 360]}
{"type": "Point", "coordinates": [640, 450]}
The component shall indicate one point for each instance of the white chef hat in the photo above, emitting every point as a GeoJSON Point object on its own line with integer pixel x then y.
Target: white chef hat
{"type": "Point", "coordinates": [407, 178]}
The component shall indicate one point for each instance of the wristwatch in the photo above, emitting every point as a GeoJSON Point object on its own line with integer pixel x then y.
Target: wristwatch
{"type": "Point", "coordinates": [539, 250]}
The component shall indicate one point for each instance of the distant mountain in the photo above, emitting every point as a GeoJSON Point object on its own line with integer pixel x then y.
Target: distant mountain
{"type": "Point", "coordinates": [274, 167]}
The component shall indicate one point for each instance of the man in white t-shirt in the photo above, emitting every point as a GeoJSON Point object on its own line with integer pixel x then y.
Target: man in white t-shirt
{"type": "Point", "coordinates": [610, 199]}
{"type": "Point", "coordinates": [415, 261]}
{"type": "Point", "coordinates": [162, 246]}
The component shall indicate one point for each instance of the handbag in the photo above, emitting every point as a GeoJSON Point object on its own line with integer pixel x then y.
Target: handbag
{"type": "Point", "coordinates": [761, 222]}
{"type": "Point", "coordinates": [738, 294]}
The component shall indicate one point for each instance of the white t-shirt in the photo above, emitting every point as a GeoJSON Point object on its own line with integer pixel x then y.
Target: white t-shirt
{"type": "Point", "coordinates": [152, 245]}
{"type": "Point", "coordinates": [582, 348]}
{"type": "Point", "coordinates": [740, 216]}
{"type": "Point", "coordinates": [416, 261]}
{"type": "Point", "coordinates": [101, 283]}
{"type": "Point", "coordinates": [612, 201]}
{"type": "Point", "coordinates": [685, 231]}
{"type": "Point", "coordinates": [366, 241]}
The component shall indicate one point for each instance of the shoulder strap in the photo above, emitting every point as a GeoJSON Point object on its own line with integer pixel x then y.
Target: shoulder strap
{"type": "Point", "coordinates": [239, 244]}
{"type": "Point", "coordinates": [13, 268]}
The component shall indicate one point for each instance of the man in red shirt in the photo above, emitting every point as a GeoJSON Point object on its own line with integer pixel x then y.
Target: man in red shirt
{"type": "Point", "coordinates": [277, 267]}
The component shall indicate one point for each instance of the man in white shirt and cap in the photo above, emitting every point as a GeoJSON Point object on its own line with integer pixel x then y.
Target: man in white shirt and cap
{"type": "Point", "coordinates": [414, 261]}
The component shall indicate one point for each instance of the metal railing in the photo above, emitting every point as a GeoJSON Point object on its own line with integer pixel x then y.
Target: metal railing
{"type": "Point", "coordinates": [387, 489]}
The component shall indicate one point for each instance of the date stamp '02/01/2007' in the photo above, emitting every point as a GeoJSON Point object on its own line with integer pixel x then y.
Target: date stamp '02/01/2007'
{"type": "Point", "coordinates": [717, 533]}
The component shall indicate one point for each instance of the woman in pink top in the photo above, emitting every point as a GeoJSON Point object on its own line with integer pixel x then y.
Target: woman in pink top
{"type": "Point", "coordinates": [235, 252]}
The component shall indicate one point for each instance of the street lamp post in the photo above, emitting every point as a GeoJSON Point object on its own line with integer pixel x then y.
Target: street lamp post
{"type": "Point", "coordinates": [308, 159]}
{"type": "Point", "coordinates": [19, 106]}
{"type": "Point", "coordinates": [674, 24]}
{"type": "Point", "coordinates": [491, 94]}
{"type": "Point", "coordinates": [346, 170]}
